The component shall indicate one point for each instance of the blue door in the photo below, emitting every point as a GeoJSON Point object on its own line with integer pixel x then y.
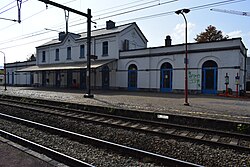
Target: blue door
{"type": "Point", "coordinates": [166, 77]}
{"type": "Point", "coordinates": [132, 77]}
{"type": "Point", "coordinates": [209, 77]}
{"type": "Point", "coordinates": [166, 80]}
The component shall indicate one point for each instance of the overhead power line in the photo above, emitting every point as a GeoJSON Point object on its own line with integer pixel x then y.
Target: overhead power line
{"type": "Point", "coordinates": [7, 5]}
{"type": "Point", "coordinates": [27, 43]}
{"type": "Point", "coordinates": [8, 19]}
{"type": "Point", "coordinates": [117, 8]}
{"type": "Point", "coordinates": [232, 12]}
{"type": "Point", "coordinates": [200, 7]}
{"type": "Point", "coordinates": [129, 7]}
{"type": "Point", "coordinates": [11, 7]}
{"type": "Point", "coordinates": [32, 14]}
{"type": "Point", "coordinates": [39, 32]}
{"type": "Point", "coordinates": [135, 10]}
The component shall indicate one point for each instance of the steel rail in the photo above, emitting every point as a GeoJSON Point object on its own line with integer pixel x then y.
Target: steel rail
{"type": "Point", "coordinates": [120, 117]}
{"type": "Point", "coordinates": [211, 123]}
{"type": "Point", "coordinates": [156, 158]}
{"type": "Point", "coordinates": [156, 123]}
{"type": "Point", "coordinates": [60, 157]}
{"type": "Point", "coordinates": [200, 140]}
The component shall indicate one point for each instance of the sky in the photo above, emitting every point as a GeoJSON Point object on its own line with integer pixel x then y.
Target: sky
{"type": "Point", "coordinates": [155, 18]}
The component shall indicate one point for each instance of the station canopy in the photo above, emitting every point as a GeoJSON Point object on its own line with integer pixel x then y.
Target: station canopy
{"type": "Point", "coordinates": [66, 66]}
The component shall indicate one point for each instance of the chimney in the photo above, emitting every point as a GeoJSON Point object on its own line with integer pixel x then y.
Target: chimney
{"type": "Point", "coordinates": [168, 41]}
{"type": "Point", "coordinates": [61, 36]}
{"type": "Point", "coordinates": [110, 24]}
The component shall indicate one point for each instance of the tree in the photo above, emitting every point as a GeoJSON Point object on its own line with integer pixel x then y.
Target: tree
{"type": "Point", "coordinates": [32, 58]}
{"type": "Point", "coordinates": [210, 34]}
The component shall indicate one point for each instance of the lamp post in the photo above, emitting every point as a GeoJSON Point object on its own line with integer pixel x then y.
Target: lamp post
{"type": "Point", "coordinates": [182, 11]}
{"type": "Point", "coordinates": [4, 70]}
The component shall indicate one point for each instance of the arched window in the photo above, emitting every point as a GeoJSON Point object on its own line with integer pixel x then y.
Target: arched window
{"type": "Point", "coordinates": [166, 77]}
{"type": "Point", "coordinates": [209, 77]}
{"type": "Point", "coordinates": [209, 63]}
{"type": "Point", "coordinates": [132, 77]}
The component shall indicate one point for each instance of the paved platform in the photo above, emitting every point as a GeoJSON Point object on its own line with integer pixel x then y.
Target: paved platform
{"type": "Point", "coordinates": [14, 155]}
{"type": "Point", "coordinates": [209, 106]}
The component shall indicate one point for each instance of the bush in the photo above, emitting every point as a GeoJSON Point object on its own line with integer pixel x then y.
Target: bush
{"type": "Point", "coordinates": [230, 91]}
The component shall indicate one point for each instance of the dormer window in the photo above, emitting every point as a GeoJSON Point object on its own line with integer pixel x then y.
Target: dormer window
{"type": "Point", "coordinates": [68, 53]}
{"type": "Point", "coordinates": [82, 51]}
{"type": "Point", "coordinates": [105, 48]}
{"type": "Point", "coordinates": [57, 55]}
{"type": "Point", "coordinates": [44, 56]}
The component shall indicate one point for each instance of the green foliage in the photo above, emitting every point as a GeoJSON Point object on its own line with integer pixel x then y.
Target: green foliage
{"type": "Point", "coordinates": [31, 58]}
{"type": "Point", "coordinates": [242, 128]}
{"type": "Point", "coordinates": [230, 91]}
{"type": "Point", "coordinates": [1, 72]}
{"type": "Point", "coordinates": [210, 34]}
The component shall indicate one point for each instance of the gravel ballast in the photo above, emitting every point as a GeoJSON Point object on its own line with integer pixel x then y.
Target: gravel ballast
{"type": "Point", "coordinates": [195, 153]}
{"type": "Point", "coordinates": [84, 152]}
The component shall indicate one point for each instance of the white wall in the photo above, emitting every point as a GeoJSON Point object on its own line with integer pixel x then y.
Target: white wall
{"type": "Point", "coordinates": [149, 62]}
{"type": "Point", "coordinates": [20, 78]}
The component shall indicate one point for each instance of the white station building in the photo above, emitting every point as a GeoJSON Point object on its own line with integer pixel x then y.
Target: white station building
{"type": "Point", "coordinates": [124, 62]}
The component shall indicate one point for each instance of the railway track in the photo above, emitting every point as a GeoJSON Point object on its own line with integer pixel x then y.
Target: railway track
{"type": "Point", "coordinates": [42, 149]}
{"type": "Point", "coordinates": [139, 154]}
{"type": "Point", "coordinates": [219, 138]}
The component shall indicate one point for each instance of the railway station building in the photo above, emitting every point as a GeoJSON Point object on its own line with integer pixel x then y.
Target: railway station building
{"type": "Point", "coordinates": [124, 62]}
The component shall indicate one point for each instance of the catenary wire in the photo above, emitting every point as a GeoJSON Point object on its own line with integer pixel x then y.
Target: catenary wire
{"type": "Point", "coordinates": [32, 15]}
{"type": "Point", "coordinates": [10, 8]}
{"type": "Point", "coordinates": [71, 22]}
{"type": "Point", "coordinates": [169, 13]}
{"type": "Point", "coordinates": [7, 5]}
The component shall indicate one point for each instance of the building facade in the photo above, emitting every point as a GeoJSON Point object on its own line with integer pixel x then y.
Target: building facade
{"type": "Point", "coordinates": [124, 62]}
{"type": "Point", "coordinates": [14, 78]}
{"type": "Point", "coordinates": [162, 68]}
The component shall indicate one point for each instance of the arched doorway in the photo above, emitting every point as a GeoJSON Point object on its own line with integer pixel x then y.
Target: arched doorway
{"type": "Point", "coordinates": [132, 77]}
{"type": "Point", "coordinates": [105, 77]}
{"type": "Point", "coordinates": [166, 77]}
{"type": "Point", "coordinates": [209, 77]}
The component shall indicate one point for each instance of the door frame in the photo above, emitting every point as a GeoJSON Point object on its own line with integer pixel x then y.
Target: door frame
{"type": "Point", "coordinates": [162, 80]}
{"type": "Point", "coordinates": [204, 78]}
{"type": "Point", "coordinates": [130, 72]}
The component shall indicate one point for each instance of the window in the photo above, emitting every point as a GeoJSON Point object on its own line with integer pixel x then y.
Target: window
{"type": "Point", "coordinates": [57, 55]}
{"type": "Point", "coordinates": [82, 51]}
{"type": "Point", "coordinates": [132, 77]}
{"type": "Point", "coordinates": [43, 57]}
{"type": "Point", "coordinates": [105, 48]}
{"type": "Point", "coordinates": [69, 53]}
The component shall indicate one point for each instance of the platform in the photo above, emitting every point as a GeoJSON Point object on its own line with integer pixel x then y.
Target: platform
{"type": "Point", "coordinates": [15, 155]}
{"type": "Point", "coordinates": [208, 106]}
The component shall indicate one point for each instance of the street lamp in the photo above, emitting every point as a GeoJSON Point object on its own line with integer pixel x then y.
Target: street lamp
{"type": "Point", "coordinates": [182, 11]}
{"type": "Point", "coordinates": [4, 70]}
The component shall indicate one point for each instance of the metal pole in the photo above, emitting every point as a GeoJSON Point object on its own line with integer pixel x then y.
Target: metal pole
{"type": "Point", "coordinates": [182, 11]}
{"type": "Point", "coordinates": [186, 62]}
{"type": "Point", "coordinates": [88, 72]}
{"type": "Point", "coordinates": [4, 66]}
{"type": "Point", "coordinates": [5, 74]}
{"type": "Point", "coordinates": [88, 15]}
